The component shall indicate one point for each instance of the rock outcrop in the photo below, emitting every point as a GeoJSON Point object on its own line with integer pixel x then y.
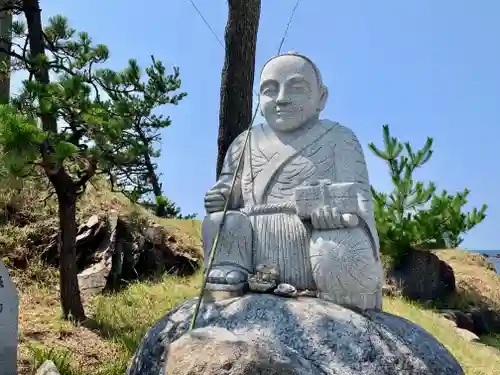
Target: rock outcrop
{"type": "Point", "coordinates": [481, 321]}
{"type": "Point", "coordinates": [316, 337]}
{"type": "Point", "coordinates": [110, 250]}
{"type": "Point", "coordinates": [422, 276]}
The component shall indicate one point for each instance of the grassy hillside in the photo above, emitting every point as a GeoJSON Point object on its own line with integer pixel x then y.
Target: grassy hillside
{"type": "Point", "coordinates": [104, 345]}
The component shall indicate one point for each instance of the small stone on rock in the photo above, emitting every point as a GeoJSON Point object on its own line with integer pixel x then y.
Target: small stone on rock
{"type": "Point", "coordinates": [286, 290]}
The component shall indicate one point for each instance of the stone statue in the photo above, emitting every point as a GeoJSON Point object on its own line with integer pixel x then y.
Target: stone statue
{"type": "Point", "coordinates": [302, 200]}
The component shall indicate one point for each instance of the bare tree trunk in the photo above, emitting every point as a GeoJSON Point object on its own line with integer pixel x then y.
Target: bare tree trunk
{"type": "Point", "coordinates": [238, 73]}
{"type": "Point", "coordinates": [71, 302]}
{"type": "Point", "coordinates": [32, 12]}
{"type": "Point", "coordinates": [5, 43]}
{"type": "Point", "coordinates": [160, 210]}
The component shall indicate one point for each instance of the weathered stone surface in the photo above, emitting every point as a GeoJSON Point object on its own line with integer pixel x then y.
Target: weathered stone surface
{"type": "Point", "coordinates": [220, 352]}
{"type": "Point", "coordinates": [9, 312]}
{"type": "Point", "coordinates": [48, 368]}
{"type": "Point", "coordinates": [93, 280]}
{"type": "Point", "coordinates": [330, 339]}
{"type": "Point", "coordinates": [302, 201]}
{"type": "Point", "coordinates": [422, 276]}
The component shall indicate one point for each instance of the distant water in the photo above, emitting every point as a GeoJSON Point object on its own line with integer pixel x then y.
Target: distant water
{"type": "Point", "coordinates": [493, 257]}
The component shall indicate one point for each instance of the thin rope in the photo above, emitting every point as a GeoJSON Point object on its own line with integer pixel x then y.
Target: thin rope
{"type": "Point", "coordinates": [213, 249]}
{"type": "Point", "coordinates": [213, 32]}
{"type": "Point", "coordinates": [288, 26]}
{"type": "Point", "coordinates": [206, 23]}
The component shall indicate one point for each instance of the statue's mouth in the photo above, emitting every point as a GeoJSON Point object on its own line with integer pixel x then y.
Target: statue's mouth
{"type": "Point", "coordinates": [285, 113]}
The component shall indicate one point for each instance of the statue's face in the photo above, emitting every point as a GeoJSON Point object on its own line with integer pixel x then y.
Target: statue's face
{"type": "Point", "coordinates": [289, 93]}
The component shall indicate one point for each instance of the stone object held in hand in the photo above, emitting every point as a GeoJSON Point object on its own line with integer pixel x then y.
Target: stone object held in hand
{"type": "Point", "coordinates": [302, 201]}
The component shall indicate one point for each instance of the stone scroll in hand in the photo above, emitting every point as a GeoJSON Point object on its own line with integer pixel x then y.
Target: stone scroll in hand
{"type": "Point", "coordinates": [343, 196]}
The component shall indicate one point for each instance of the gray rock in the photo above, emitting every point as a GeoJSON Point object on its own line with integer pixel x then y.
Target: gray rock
{"type": "Point", "coordinates": [48, 368]}
{"type": "Point", "coordinates": [93, 280]}
{"type": "Point", "coordinates": [331, 339]}
{"type": "Point", "coordinates": [422, 276]}
{"type": "Point", "coordinates": [93, 221]}
{"type": "Point", "coordinates": [468, 335]}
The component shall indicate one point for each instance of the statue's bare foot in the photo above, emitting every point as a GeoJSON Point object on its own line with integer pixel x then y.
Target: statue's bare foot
{"type": "Point", "coordinates": [227, 278]}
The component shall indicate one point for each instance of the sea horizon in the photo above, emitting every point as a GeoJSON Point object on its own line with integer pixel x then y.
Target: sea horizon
{"type": "Point", "coordinates": [492, 255]}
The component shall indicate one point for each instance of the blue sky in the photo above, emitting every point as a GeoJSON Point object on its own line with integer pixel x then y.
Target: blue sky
{"type": "Point", "coordinates": [427, 68]}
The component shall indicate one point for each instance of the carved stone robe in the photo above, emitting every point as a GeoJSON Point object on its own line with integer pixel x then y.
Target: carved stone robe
{"type": "Point", "coordinates": [273, 167]}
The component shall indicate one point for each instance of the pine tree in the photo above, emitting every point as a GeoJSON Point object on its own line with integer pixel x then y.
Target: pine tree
{"type": "Point", "coordinates": [412, 215]}
{"type": "Point", "coordinates": [131, 165]}
{"type": "Point", "coordinates": [54, 122]}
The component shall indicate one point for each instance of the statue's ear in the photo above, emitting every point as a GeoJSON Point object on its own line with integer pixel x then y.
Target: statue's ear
{"type": "Point", "coordinates": [323, 99]}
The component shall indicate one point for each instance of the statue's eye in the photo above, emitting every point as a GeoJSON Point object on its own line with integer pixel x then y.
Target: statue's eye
{"type": "Point", "coordinates": [268, 91]}
{"type": "Point", "coordinates": [299, 88]}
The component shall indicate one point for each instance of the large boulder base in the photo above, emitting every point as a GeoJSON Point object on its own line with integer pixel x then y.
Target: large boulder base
{"type": "Point", "coordinates": [324, 337]}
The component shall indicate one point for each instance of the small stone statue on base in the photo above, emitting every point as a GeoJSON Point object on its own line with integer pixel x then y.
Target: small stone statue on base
{"type": "Point", "coordinates": [302, 201]}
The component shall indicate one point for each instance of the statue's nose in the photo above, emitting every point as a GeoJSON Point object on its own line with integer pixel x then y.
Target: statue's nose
{"type": "Point", "coordinates": [282, 98]}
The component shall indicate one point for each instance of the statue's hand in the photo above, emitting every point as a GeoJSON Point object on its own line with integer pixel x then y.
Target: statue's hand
{"type": "Point", "coordinates": [215, 199]}
{"type": "Point", "coordinates": [329, 217]}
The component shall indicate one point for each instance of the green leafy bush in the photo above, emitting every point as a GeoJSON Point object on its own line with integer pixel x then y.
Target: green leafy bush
{"type": "Point", "coordinates": [413, 215]}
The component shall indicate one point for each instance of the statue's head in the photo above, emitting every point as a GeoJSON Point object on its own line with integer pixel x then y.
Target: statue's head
{"type": "Point", "coordinates": [291, 91]}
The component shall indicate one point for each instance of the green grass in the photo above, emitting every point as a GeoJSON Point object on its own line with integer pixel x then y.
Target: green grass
{"type": "Point", "coordinates": [475, 358]}
{"type": "Point", "coordinates": [127, 316]}
{"type": "Point", "coordinates": [492, 340]}
{"type": "Point", "coordinates": [118, 323]}
{"type": "Point", "coordinates": [60, 357]}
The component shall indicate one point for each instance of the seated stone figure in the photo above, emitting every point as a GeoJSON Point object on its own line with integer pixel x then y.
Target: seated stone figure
{"type": "Point", "coordinates": [302, 199]}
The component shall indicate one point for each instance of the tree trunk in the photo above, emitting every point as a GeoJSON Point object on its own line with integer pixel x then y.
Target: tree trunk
{"type": "Point", "coordinates": [65, 187]}
{"type": "Point", "coordinates": [238, 73]}
{"type": "Point", "coordinates": [160, 209]}
{"type": "Point", "coordinates": [32, 12]}
{"type": "Point", "coordinates": [5, 44]}
{"type": "Point", "coordinates": [71, 302]}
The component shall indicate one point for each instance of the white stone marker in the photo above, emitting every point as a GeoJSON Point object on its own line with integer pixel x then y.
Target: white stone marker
{"type": "Point", "coordinates": [9, 312]}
